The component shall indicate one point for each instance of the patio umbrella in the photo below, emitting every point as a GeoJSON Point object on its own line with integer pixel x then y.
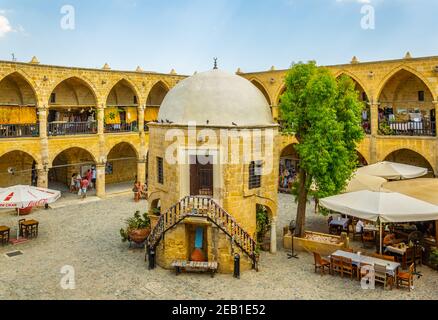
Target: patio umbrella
{"type": "Point", "coordinates": [21, 197]}
{"type": "Point", "coordinates": [393, 171]}
{"type": "Point", "coordinates": [361, 182]}
{"type": "Point", "coordinates": [382, 207]}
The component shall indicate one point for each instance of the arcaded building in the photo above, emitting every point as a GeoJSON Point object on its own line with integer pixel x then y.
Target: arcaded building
{"type": "Point", "coordinates": [212, 161]}
{"type": "Point", "coordinates": [58, 120]}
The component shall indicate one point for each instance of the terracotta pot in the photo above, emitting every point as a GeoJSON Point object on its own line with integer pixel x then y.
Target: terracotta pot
{"type": "Point", "coordinates": [139, 235]}
{"type": "Point", "coordinates": [197, 256]}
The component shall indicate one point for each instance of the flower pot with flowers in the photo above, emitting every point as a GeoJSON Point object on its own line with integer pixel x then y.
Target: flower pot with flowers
{"type": "Point", "coordinates": [137, 228]}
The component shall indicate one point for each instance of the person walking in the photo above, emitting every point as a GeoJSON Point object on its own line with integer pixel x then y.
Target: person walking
{"type": "Point", "coordinates": [89, 177]}
{"type": "Point", "coordinates": [84, 187]}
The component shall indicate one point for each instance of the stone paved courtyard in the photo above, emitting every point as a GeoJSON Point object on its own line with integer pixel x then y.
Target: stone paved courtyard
{"type": "Point", "coordinates": [86, 236]}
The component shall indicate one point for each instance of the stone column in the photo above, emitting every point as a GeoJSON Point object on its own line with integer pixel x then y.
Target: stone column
{"type": "Point", "coordinates": [274, 235]}
{"type": "Point", "coordinates": [101, 119]}
{"type": "Point", "coordinates": [140, 117]}
{"type": "Point", "coordinates": [435, 103]}
{"type": "Point", "coordinates": [374, 132]}
{"type": "Point", "coordinates": [141, 171]}
{"type": "Point", "coordinates": [100, 180]}
{"type": "Point", "coordinates": [43, 166]}
{"type": "Point", "coordinates": [43, 177]}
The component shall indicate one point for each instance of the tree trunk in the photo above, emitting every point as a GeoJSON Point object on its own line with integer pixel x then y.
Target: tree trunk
{"type": "Point", "coordinates": [302, 204]}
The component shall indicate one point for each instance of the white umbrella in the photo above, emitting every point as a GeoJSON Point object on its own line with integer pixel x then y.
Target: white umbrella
{"type": "Point", "coordinates": [393, 171]}
{"type": "Point", "coordinates": [361, 182]}
{"type": "Point", "coordinates": [385, 207]}
{"type": "Point", "coordinates": [21, 197]}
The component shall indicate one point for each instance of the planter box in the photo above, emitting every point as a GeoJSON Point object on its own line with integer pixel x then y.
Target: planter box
{"type": "Point", "coordinates": [309, 245]}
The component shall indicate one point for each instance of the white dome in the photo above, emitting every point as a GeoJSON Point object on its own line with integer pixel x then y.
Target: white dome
{"type": "Point", "coordinates": [217, 97]}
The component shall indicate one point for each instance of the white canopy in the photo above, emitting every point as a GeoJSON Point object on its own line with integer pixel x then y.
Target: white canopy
{"type": "Point", "coordinates": [390, 207]}
{"type": "Point", "coordinates": [393, 171]}
{"type": "Point", "coordinates": [21, 197]}
{"type": "Point", "coordinates": [361, 182]}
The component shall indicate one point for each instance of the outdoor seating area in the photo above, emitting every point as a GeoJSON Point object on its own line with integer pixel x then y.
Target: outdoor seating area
{"type": "Point", "coordinates": [357, 265]}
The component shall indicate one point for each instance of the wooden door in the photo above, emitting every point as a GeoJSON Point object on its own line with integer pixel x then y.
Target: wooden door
{"type": "Point", "coordinates": [201, 178]}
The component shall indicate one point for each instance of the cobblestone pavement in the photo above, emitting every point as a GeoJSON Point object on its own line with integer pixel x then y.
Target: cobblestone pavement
{"type": "Point", "coordinates": [87, 238]}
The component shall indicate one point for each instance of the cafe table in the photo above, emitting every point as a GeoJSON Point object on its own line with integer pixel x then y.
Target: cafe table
{"type": "Point", "coordinates": [391, 267]}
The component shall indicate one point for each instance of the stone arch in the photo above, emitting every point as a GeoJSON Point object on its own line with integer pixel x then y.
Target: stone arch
{"type": "Point", "coordinates": [359, 84]}
{"type": "Point", "coordinates": [127, 83]}
{"type": "Point", "coordinates": [81, 79]}
{"type": "Point", "coordinates": [65, 163]}
{"type": "Point", "coordinates": [154, 100]}
{"type": "Point", "coordinates": [407, 69]}
{"type": "Point", "coordinates": [409, 156]}
{"type": "Point", "coordinates": [24, 166]}
{"type": "Point", "coordinates": [122, 161]}
{"type": "Point", "coordinates": [288, 167]}
{"type": "Point", "coordinates": [75, 147]}
{"type": "Point", "coordinates": [28, 80]}
{"type": "Point", "coordinates": [262, 89]}
{"type": "Point", "coordinates": [280, 92]}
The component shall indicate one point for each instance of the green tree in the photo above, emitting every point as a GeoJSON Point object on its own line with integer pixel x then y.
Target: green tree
{"type": "Point", "coordinates": [324, 113]}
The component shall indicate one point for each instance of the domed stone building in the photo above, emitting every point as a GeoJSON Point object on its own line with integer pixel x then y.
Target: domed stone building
{"type": "Point", "coordinates": [212, 166]}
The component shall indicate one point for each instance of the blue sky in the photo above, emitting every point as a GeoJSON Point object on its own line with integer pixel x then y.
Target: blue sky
{"type": "Point", "coordinates": [185, 35]}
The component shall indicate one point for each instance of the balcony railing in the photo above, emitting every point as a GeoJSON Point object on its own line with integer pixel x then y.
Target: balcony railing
{"type": "Point", "coordinates": [19, 130]}
{"type": "Point", "coordinates": [408, 128]}
{"type": "Point", "coordinates": [71, 128]}
{"type": "Point", "coordinates": [121, 127]}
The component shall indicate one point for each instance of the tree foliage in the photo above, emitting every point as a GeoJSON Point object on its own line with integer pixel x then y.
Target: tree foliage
{"type": "Point", "coordinates": [325, 115]}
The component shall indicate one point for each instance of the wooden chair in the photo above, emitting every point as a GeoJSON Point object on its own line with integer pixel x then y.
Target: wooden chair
{"type": "Point", "coordinates": [384, 257]}
{"type": "Point", "coordinates": [21, 227]}
{"type": "Point", "coordinates": [356, 235]}
{"type": "Point", "coordinates": [4, 235]}
{"type": "Point", "coordinates": [321, 264]}
{"type": "Point", "coordinates": [347, 267]}
{"type": "Point", "coordinates": [336, 265]}
{"type": "Point", "coordinates": [368, 239]}
{"type": "Point", "coordinates": [380, 274]}
{"type": "Point", "coordinates": [406, 278]}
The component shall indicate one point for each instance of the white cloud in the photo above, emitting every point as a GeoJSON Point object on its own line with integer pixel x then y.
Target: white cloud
{"type": "Point", "coordinates": [5, 26]}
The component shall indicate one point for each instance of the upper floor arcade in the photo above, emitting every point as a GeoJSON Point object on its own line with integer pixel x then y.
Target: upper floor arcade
{"type": "Point", "coordinates": [37, 100]}
{"type": "Point", "coordinates": [399, 96]}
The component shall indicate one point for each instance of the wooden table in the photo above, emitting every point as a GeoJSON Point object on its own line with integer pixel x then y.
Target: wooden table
{"type": "Point", "coordinates": [192, 266]}
{"type": "Point", "coordinates": [30, 228]}
{"type": "Point", "coordinates": [391, 267]}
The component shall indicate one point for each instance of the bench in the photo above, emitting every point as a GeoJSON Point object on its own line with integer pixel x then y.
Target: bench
{"type": "Point", "coordinates": [193, 266]}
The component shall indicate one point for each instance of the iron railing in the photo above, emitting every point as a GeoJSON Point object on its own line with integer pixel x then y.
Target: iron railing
{"type": "Point", "coordinates": [71, 128]}
{"type": "Point", "coordinates": [408, 128]}
{"type": "Point", "coordinates": [121, 127]}
{"type": "Point", "coordinates": [19, 130]}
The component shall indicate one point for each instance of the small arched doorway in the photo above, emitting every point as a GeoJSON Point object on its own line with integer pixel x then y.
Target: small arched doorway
{"type": "Point", "coordinates": [67, 164]}
{"type": "Point", "coordinates": [264, 225]}
{"type": "Point", "coordinates": [17, 168]}
{"type": "Point", "coordinates": [289, 168]}
{"type": "Point", "coordinates": [407, 156]}
{"type": "Point", "coordinates": [121, 167]}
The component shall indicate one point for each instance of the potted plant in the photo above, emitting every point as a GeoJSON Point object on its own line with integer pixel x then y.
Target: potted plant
{"type": "Point", "coordinates": [137, 229]}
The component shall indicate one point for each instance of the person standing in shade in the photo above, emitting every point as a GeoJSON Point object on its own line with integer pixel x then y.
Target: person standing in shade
{"type": "Point", "coordinates": [93, 177]}
{"type": "Point", "coordinates": [89, 176]}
